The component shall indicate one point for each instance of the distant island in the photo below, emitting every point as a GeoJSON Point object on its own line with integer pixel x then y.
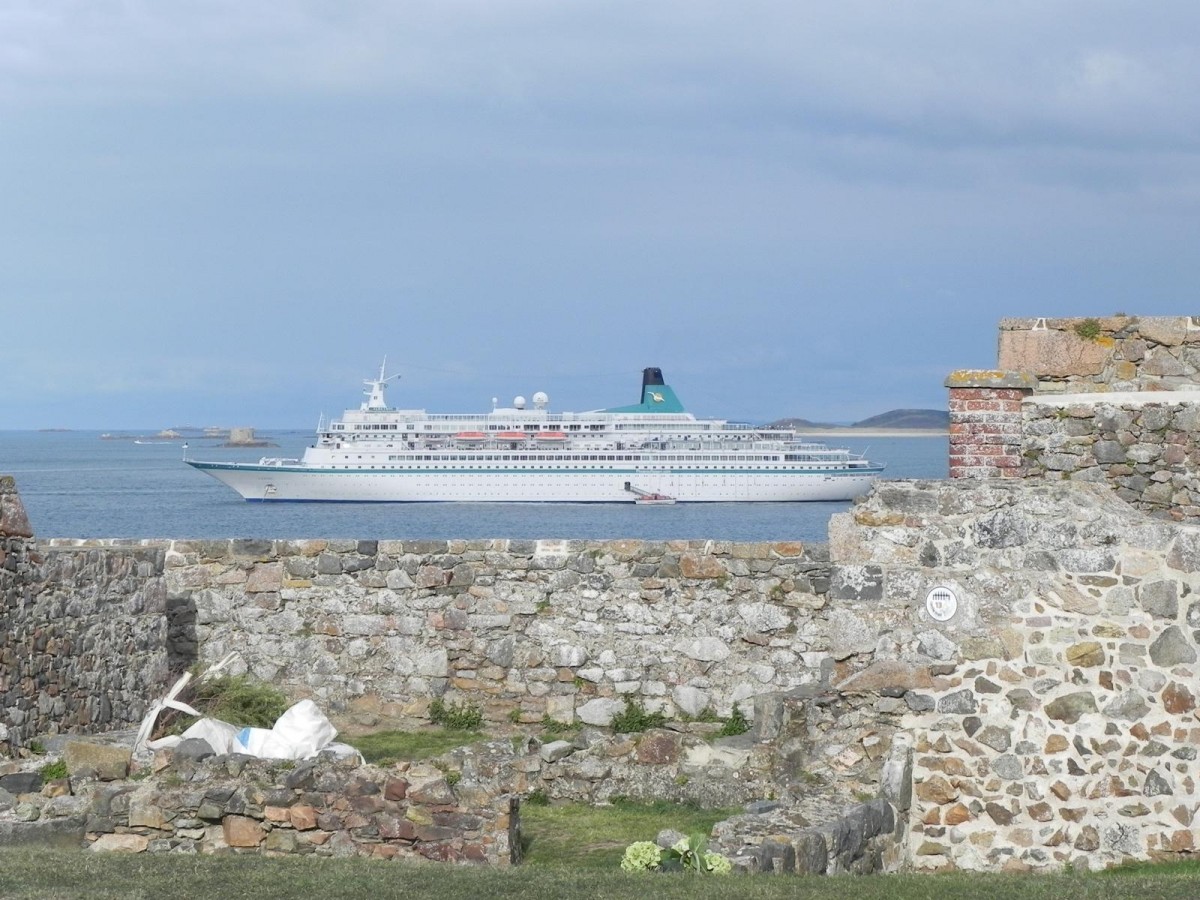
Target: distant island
{"type": "Point", "coordinates": [234, 437]}
{"type": "Point", "coordinates": [896, 421]}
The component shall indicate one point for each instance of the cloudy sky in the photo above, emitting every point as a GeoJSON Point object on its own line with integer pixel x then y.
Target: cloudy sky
{"type": "Point", "coordinates": [229, 211]}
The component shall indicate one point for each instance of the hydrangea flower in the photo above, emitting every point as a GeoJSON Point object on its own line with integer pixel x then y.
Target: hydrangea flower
{"type": "Point", "coordinates": [641, 856]}
{"type": "Point", "coordinates": [717, 864]}
{"type": "Point", "coordinates": [645, 856]}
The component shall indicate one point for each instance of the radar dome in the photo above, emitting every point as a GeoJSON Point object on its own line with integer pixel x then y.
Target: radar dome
{"type": "Point", "coordinates": [518, 402]}
{"type": "Point", "coordinates": [540, 399]}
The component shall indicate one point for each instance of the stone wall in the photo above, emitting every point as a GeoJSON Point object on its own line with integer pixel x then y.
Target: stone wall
{"type": "Point", "coordinates": [1110, 400]}
{"type": "Point", "coordinates": [82, 639]}
{"type": "Point", "coordinates": [1054, 711]}
{"type": "Point", "coordinates": [569, 631]}
{"type": "Point", "coordinates": [1051, 711]}
{"type": "Point", "coordinates": [195, 802]}
{"type": "Point", "coordinates": [18, 572]}
{"type": "Point", "coordinates": [1144, 445]}
{"type": "Point", "coordinates": [459, 807]}
{"type": "Point", "coordinates": [373, 630]}
{"type": "Point", "coordinates": [1113, 353]}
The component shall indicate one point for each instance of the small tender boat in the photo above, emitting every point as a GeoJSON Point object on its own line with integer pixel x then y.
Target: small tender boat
{"type": "Point", "coordinates": [654, 500]}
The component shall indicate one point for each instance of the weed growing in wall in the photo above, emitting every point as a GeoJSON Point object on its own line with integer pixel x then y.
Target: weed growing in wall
{"type": "Point", "coordinates": [54, 771]}
{"type": "Point", "coordinates": [462, 716]}
{"type": "Point", "coordinates": [635, 717]}
{"type": "Point", "coordinates": [736, 723]}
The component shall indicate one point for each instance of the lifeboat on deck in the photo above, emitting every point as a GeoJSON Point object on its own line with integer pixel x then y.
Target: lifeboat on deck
{"type": "Point", "coordinates": [551, 437]}
{"type": "Point", "coordinates": [507, 436]}
{"type": "Point", "coordinates": [470, 438]}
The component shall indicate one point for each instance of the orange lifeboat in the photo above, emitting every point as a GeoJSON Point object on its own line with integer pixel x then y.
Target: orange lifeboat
{"type": "Point", "coordinates": [470, 436]}
{"type": "Point", "coordinates": [510, 436]}
{"type": "Point", "coordinates": [551, 436]}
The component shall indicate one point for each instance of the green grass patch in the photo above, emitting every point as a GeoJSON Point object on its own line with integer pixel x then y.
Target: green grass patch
{"type": "Point", "coordinates": [1089, 329]}
{"type": "Point", "coordinates": [595, 837]}
{"type": "Point", "coordinates": [554, 730]}
{"type": "Point", "coordinates": [1188, 868]}
{"type": "Point", "coordinates": [383, 747]}
{"type": "Point", "coordinates": [42, 873]}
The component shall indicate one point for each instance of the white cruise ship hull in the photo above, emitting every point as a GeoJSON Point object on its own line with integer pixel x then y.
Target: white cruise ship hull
{"type": "Point", "coordinates": [297, 483]}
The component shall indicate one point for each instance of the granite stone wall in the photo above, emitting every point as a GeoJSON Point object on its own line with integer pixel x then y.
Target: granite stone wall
{"type": "Point", "coordinates": [1111, 353]}
{"type": "Point", "coordinates": [18, 572]}
{"type": "Point", "coordinates": [374, 630]}
{"type": "Point", "coordinates": [1146, 446]}
{"type": "Point", "coordinates": [234, 804]}
{"type": "Point", "coordinates": [82, 634]}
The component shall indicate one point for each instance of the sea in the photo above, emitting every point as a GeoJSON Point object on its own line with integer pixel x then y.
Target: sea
{"type": "Point", "coordinates": [78, 484]}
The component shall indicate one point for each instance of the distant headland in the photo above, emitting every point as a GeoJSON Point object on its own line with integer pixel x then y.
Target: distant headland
{"type": "Point", "coordinates": [896, 422]}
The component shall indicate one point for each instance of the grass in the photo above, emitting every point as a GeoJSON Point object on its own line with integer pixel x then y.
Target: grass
{"type": "Point", "coordinates": [383, 747]}
{"type": "Point", "coordinates": [40, 873]}
{"type": "Point", "coordinates": [570, 852]}
{"type": "Point", "coordinates": [236, 699]}
{"type": "Point", "coordinates": [594, 838]}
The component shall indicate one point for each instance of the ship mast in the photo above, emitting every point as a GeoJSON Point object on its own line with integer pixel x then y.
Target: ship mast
{"type": "Point", "coordinates": [376, 387]}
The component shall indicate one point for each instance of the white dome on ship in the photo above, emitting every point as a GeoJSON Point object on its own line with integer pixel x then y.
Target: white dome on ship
{"type": "Point", "coordinates": [540, 399]}
{"type": "Point", "coordinates": [518, 402]}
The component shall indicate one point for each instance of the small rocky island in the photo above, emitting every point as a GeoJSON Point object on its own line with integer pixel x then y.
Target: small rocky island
{"type": "Point", "coordinates": [245, 437]}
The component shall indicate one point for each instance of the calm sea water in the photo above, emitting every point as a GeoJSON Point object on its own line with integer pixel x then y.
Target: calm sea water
{"type": "Point", "coordinates": [75, 485]}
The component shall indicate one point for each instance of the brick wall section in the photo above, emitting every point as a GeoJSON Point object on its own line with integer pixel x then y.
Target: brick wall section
{"type": "Point", "coordinates": [985, 423]}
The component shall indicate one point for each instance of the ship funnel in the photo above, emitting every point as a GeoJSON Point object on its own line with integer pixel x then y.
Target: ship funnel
{"type": "Point", "coordinates": [656, 396]}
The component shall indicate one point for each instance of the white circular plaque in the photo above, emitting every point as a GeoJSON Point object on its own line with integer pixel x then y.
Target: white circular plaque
{"type": "Point", "coordinates": [941, 604]}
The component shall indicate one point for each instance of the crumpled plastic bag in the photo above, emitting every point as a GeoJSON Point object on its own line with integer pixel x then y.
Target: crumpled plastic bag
{"type": "Point", "coordinates": [302, 732]}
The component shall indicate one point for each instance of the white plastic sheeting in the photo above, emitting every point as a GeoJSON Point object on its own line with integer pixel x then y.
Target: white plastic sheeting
{"type": "Point", "coordinates": [301, 732]}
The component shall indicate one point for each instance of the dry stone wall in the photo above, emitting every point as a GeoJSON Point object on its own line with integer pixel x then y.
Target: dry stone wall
{"type": "Point", "coordinates": [19, 570]}
{"type": "Point", "coordinates": [235, 804]}
{"type": "Point", "coordinates": [195, 802]}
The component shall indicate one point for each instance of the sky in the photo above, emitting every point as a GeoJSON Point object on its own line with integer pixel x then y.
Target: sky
{"type": "Point", "coordinates": [229, 212]}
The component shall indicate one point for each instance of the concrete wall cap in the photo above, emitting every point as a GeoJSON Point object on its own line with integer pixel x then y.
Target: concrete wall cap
{"type": "Point", "coordinates": [1117, 398]}
{"type": "Point", "coordinates": [991, 378]}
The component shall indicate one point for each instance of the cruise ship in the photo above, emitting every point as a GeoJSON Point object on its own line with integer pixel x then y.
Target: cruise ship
{"type": "Point", "coordinates": [652, 452]}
